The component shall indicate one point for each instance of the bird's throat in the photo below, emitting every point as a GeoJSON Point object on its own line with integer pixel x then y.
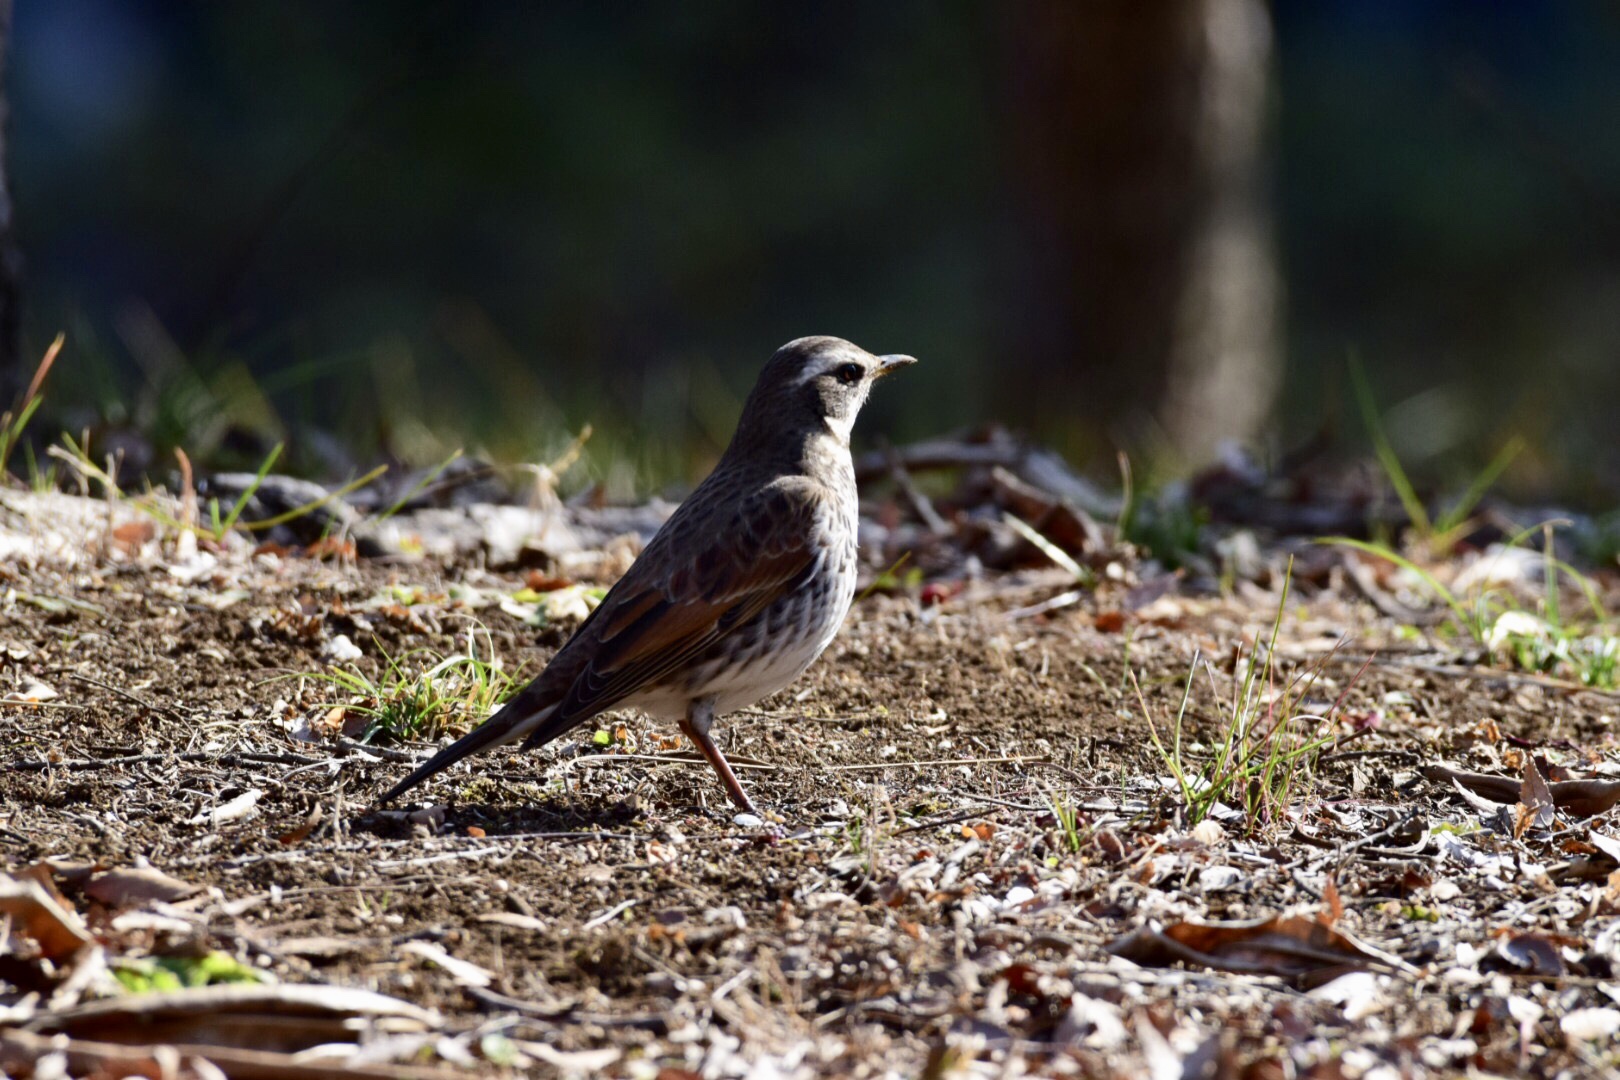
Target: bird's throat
{"type": "Point", "coordinates": [839, 428]}
{"type": "Point", "coordinates": [826, 454]}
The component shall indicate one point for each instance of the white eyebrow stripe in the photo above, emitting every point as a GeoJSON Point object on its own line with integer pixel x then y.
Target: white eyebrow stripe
{"type": "Point", "coordinates": [828, 362]}
{"type": "Point", "coordinates": [819, 365]}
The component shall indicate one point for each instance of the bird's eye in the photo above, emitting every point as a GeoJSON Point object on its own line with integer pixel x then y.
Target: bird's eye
{"type": "Point", "coordinates": [850, 374]}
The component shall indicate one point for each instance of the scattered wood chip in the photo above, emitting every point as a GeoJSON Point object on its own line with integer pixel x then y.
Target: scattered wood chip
{"type": "Point", "coordinates": [242, 806]}
{"type": "Point", "coordinates": [148, 920]}
{"type": "Point", "coordinates": [511, 919]}
{"type": "Point", "coordinates": [609, 915]}
{"type": "Point", "coordinates": [465, 972]}
{"type": "Point", "coordinates": [1590, 1025]}
{"type": "Point", "coordinates": [322, 947]}
{"type": "Point", "coordinates": [575, 1062]}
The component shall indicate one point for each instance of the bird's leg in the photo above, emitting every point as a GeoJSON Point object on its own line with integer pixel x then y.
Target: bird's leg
{"type": "Point", "coordinates": [695, 725]}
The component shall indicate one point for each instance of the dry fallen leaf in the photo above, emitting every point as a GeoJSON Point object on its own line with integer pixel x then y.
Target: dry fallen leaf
{"type": "Point", "coordinates": [1303, 950]}
{"type": "Point", "coordinates": [58, 931]}
{"type": "Point", "coordinates": [1536, 799]}
{"type": "Point", "coordinates": [542, 582]}
{"type": "Point", "coordinates": [1530, 954]}
{"type": "Point", "coordinates": [1586, 798]}
{"type": "Point", "coordinates": [296, 836]}
{"type": "Point", "coordinates": [31, 692]}
{"type": "Point", "coordinates": [288, 1016]}
{"type": "Point", "coordinates": [1335, 905]}
{"type": "Point", "coordinates": [136, 885]}
{"type": "Point", "coordinates": [1109, 622]}
{"type": "Point", "coordinates": [129, 536]}
{"type": "Point", "coordinates": [1580, 798]}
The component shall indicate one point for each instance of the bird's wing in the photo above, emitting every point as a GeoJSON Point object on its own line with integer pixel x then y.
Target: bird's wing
{"type": "Point", "coordinates": [702, 575]}
{"type": "Point", "coordinates": [667, 610]}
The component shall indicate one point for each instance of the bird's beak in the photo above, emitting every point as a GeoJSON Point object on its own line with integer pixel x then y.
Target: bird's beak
{"type": "Point", "coordinates": [888, 365]}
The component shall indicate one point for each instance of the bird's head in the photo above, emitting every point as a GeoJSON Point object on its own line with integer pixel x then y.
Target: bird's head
{"type": "Point", "coordinates": [815, 383]}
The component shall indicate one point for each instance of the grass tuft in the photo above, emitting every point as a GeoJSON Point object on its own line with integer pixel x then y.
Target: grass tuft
{"type": "Point", "coordinates": [1068, 820]}
{"type": "Point", "coordinates": [1437, 535]}
{"type": "Point", "coordinates": [1268, 745]}
{"type": "Point", "coordinates": [13, 422]}
{"type": "Point", "coordinates": [421, 696]}
{"type": "Point", "coordinates": [1582, 648]}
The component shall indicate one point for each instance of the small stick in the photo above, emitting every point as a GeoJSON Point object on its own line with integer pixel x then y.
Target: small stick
{"type": "Point", "coordinates": [173, 711]}
{"type": "Point", "coordinates": [919, 502]}
{"type": "Point", "coordinates": [610, 913]}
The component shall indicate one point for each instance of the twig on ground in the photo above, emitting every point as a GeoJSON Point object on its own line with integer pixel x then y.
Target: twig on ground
{"type": "Point", "coordinates": [229, 758]}
{"type": "Point", "coordinates": [1357, 755]}
{"type": "Point", "coordinates": [610, 914]}
{"type": "Point", "coordinates": [386, 753]}
{"type": "Point", "coordinates": [875, 766]}
{"type": "Point", "coordinates": [679, 757]}
{"type": "Point", "coordinates": [446, 856]}
{"type": "Point", "coordinates": [174, 711]}
{"type": "Point", "coordinates": [656, 1023]}
{"type": "Point", "coordinates": [920, 503]}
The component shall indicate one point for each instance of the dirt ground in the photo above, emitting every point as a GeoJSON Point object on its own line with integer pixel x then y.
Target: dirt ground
{"type": "Point", "coordinates": [921, 910]}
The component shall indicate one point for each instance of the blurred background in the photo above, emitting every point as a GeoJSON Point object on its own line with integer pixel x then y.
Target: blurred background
{"type": "Point", "coordinates": [387, 230]}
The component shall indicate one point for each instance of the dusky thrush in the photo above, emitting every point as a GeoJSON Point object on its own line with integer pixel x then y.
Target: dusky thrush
{"type": "Point", "coordinates": [741, 589]}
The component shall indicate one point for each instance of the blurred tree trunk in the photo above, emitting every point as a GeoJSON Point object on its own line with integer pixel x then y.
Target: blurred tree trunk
{"type": "Point", "coordinates": [12, 376]}
{"type": "Point", "coordinates": [1147, 289]}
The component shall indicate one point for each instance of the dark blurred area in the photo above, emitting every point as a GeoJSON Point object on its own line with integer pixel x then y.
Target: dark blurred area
{"type": "Point", "coordinates": [393, 229]}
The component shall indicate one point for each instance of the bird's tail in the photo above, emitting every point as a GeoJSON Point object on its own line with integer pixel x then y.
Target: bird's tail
{"type": "Point", "coordinates": [516, 719]}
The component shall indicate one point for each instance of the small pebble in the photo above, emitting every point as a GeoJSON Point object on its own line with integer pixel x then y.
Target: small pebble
{"type": "Point", "coordinates": [340, 650]}
{"type": "Point", "coordinates": [749, 821]}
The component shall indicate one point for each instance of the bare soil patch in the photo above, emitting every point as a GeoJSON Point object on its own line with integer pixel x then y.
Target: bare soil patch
{"type": "Point", "coordinates": [923, 910]}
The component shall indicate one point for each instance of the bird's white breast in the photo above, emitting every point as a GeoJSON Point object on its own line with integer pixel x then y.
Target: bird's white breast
{"type": "Point", "coordinates": [776, 647]}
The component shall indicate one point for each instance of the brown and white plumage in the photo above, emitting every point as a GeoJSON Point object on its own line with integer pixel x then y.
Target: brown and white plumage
{"type": "Point", "coordinates": [742, 588]}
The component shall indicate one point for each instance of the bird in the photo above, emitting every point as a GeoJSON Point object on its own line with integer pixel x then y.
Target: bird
{"type": "Point", "coordinates": [738, 593]}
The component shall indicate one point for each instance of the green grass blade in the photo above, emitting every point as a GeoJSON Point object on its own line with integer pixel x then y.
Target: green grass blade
{"type": "Point", "coordinates": [421, 485]}
{"type": "Point", "coordinates": [1387, 458]}
{"type": "Point", "coordinates": [1459, 610]}
{"type": "Point", "coordinates": [1454, 518]}
{"type": "Point", "coordinates": [242, 500]}
{"type": "Point", "coordinates": [316, 504]}
{"type": "Point", "coordinates": [1047, 548]}
{"type": "Point", "coordinates": [13, 433]}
